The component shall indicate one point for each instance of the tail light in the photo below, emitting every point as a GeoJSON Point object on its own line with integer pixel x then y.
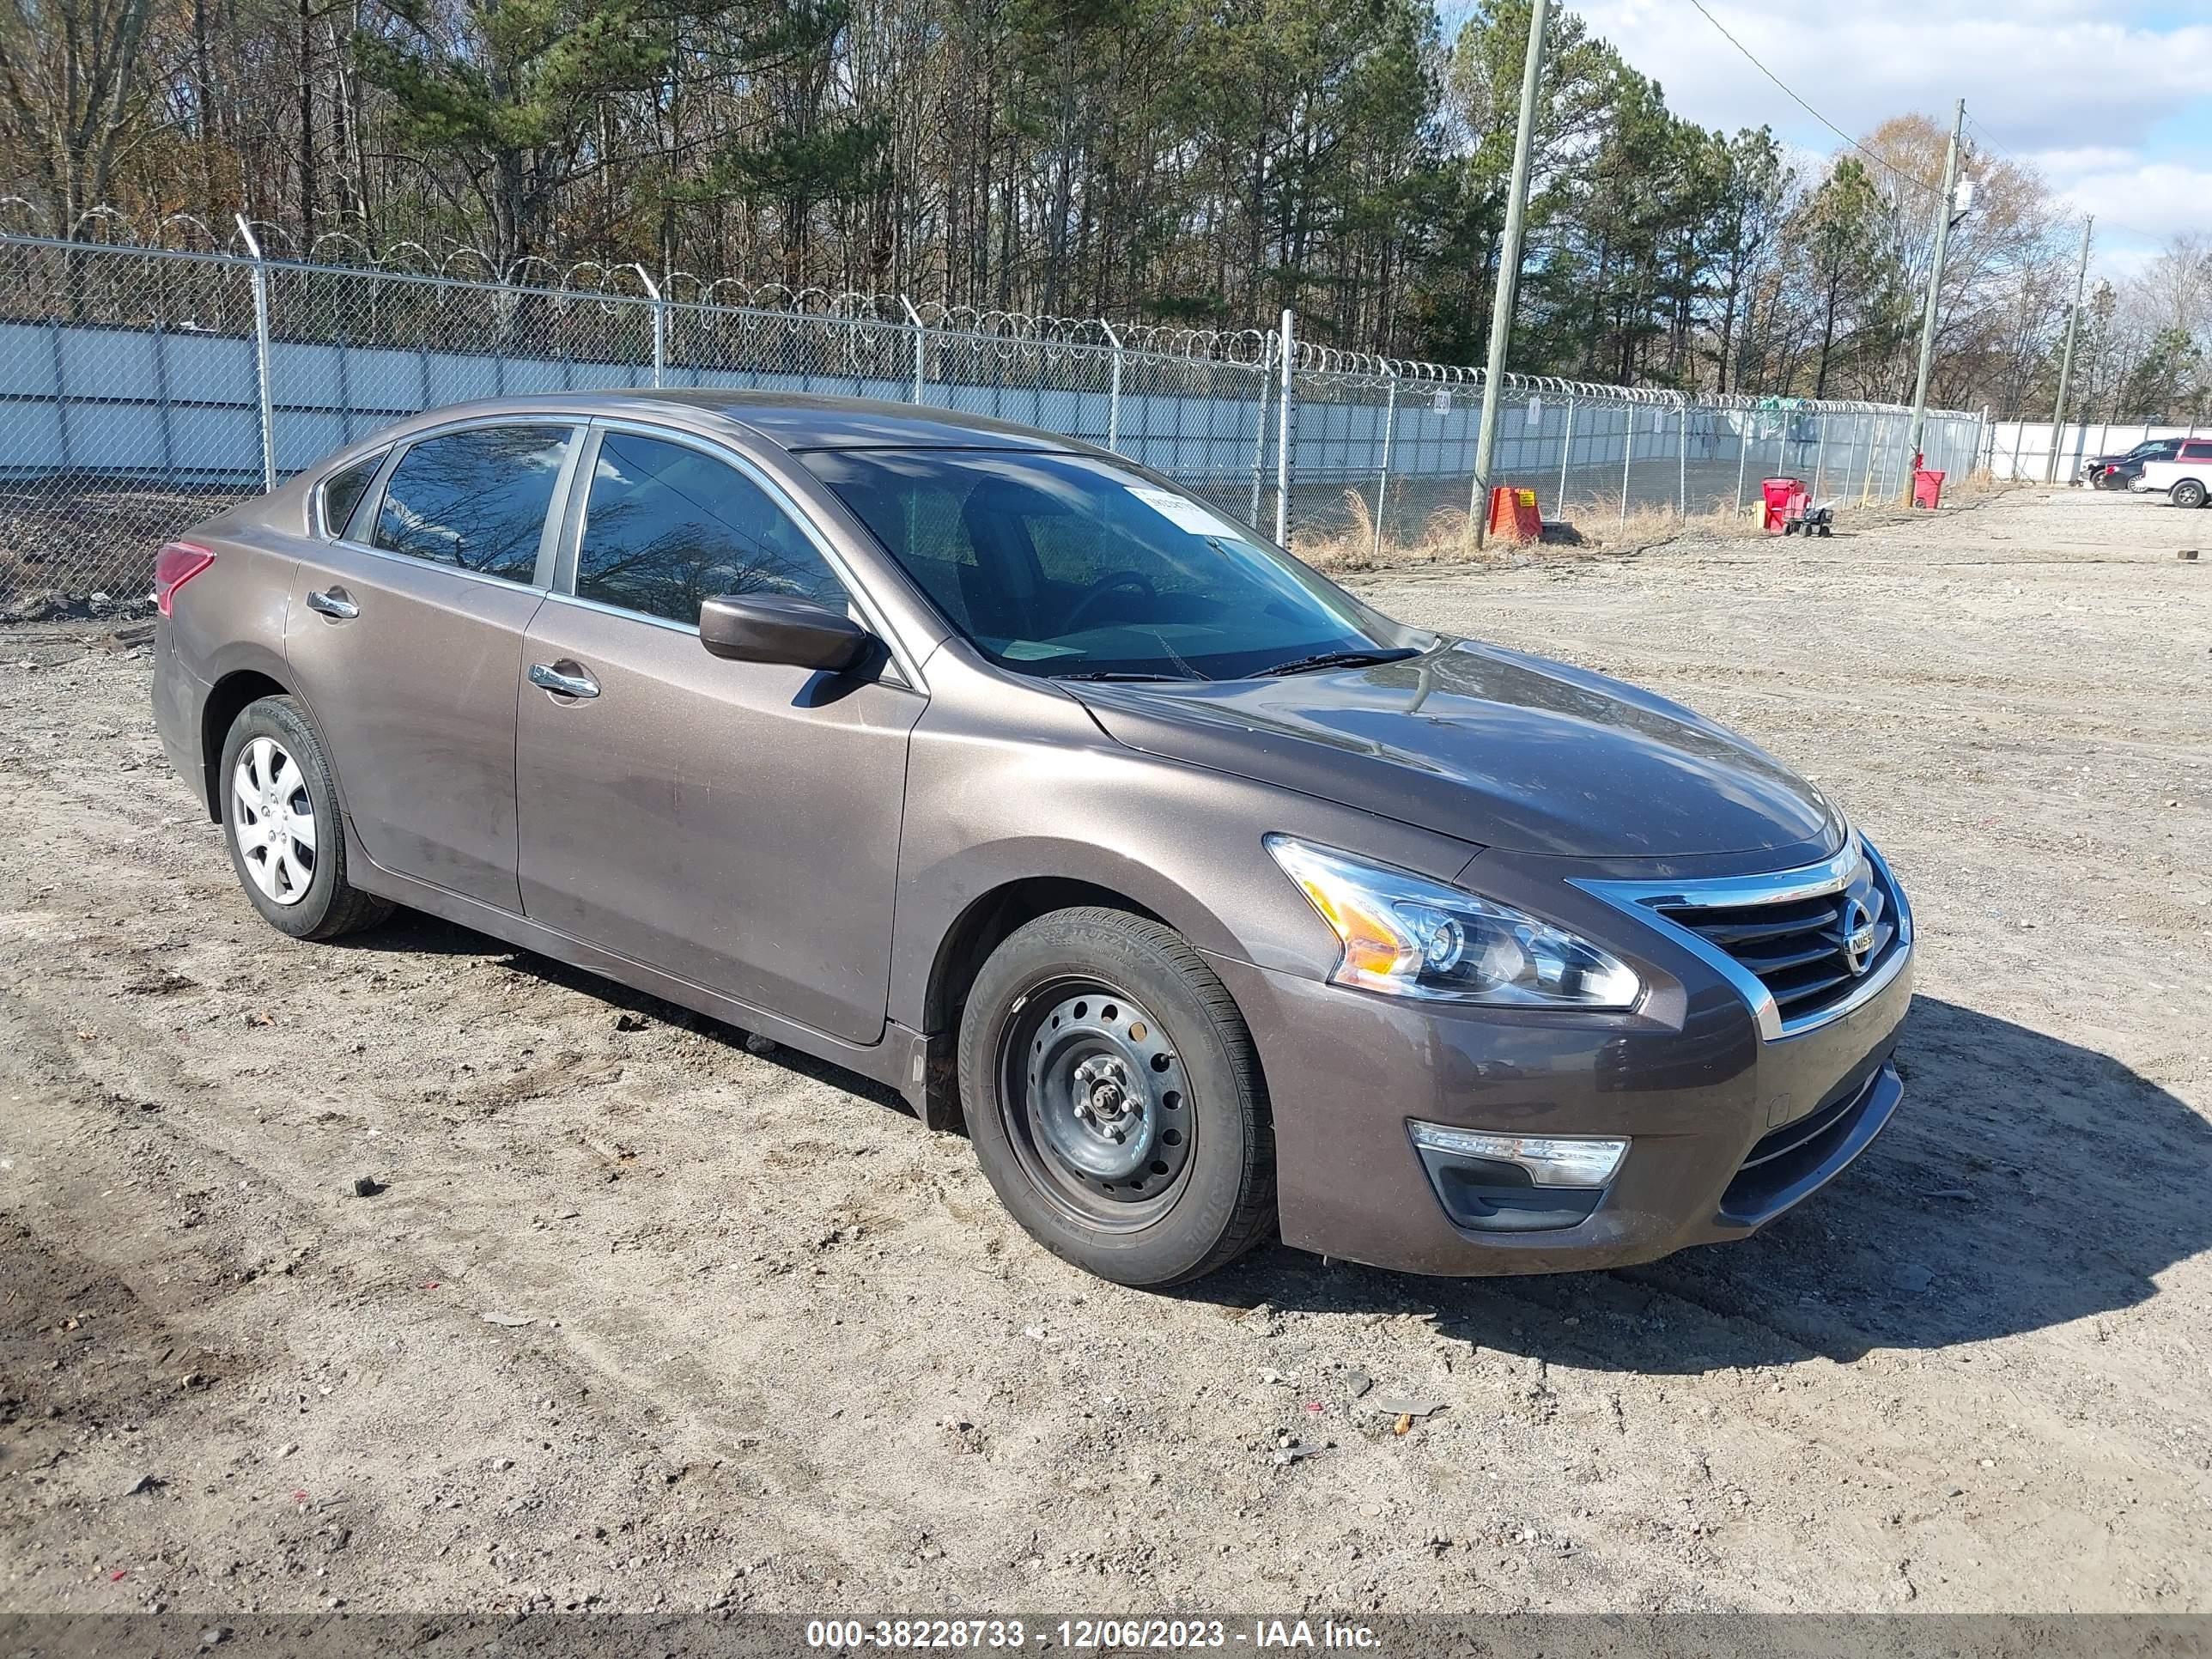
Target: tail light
{"type": "Point", "coordinates": [177, 564]}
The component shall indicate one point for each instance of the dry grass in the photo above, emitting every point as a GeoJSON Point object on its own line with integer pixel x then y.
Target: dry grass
{"type": "Point", "coordinates": [1443, 539]}
{"type": "Point", "coordinates": [1585, 530]}
{"type": "Point", "coordinates": [1589, 529]}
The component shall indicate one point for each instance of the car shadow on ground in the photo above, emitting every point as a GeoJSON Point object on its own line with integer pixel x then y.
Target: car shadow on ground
{"type": "Point", "coordinates": [2027, 1183]}
{"type": "Point", "coordinates": [413, 932]}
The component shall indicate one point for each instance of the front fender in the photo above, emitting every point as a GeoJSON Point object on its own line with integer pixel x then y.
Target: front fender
{"type": "Point", "coordinates": [986, 809]}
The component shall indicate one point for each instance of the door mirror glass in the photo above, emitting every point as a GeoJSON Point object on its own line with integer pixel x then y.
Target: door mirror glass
{"type": "Point", "coordinates": [770, 627]}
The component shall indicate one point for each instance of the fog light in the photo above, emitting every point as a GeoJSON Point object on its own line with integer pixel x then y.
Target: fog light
{"type": "Point", "coordinates": [1548, 1160]}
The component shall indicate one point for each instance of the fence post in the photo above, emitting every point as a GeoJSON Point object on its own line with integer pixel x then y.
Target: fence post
{"type": "Point", "coordinates": [1286, 419]}
{"type": "Point", "coordinates": [660, 325]}
{"type": "Point", "coordinates": [920, 343]}
{"type": "Point", "coordinates": [1627, 456]}
{"type": "Point", "coordinates": [261, 354]}
{"type": "Point", "coordinates": [1742, 457]}
{"type": "Point", "coordinates": [1382, 484]}
{"type": "Point", "coordinates": [1259, 428]}
{"type": "Point", "coordinates": [1114, 396]}
{"type": "Point", "coordinates": [1820, 455]}
{"type": "Point", "coordinates": [60, 363]}
{"type": "Point", "coordinates": [1682, 460]}
{"type": "Point", "coordinates": [1566, 448]}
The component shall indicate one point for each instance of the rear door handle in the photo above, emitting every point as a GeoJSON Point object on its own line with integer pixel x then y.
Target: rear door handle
{"type": "Point", "coordinates": [334, 602]}
{"type": "Point", "coordinates": [548, 676]}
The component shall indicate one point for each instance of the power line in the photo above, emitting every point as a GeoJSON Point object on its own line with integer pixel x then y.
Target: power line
{"type": "Point", "coordinates": [2080, 217]}
{"type": "Point", "coordinates": [1983, 133]}
{"type": "Point", "coordinates": [1878, 160]}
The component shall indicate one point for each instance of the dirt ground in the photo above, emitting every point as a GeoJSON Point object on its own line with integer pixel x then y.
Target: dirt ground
{"type": "Point", "coordinates": [644, 1321]}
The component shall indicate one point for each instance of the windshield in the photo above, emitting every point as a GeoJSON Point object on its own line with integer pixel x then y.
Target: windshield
{"type": "Point", "coordinates": [1068, 567]}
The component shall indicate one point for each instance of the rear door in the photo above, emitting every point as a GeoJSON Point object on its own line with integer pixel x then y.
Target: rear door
{"type": "Point", "coordinates": [404, 635]}
{"type": "Point", "coordinates": [735, 824]}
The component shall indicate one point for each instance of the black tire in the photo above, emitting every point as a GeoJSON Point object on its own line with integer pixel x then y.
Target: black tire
{"type": "Point", "coordinates": [2187, 493]}
{"type": "Point", "coordinates": [326, 905]}
{"type": "Point", "coordinates": [1153, 1016]}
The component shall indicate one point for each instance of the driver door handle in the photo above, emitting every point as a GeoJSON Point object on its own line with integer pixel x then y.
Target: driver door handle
{"type": "Point", "coordinates": [548, 676]}
{"type": "Point", "coordinates": [332, 603]}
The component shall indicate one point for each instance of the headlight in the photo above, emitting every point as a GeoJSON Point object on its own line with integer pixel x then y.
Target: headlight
{"type": "Point", "coordinates": [1409, 936]}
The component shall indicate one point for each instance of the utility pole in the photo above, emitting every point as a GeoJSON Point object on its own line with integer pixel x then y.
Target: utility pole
{"type": "Point", "coordinates": [1509, 275]}
{"type": "Point", "coordinates": [1943, 214]}
{"type": "Point", "coordinates": [2066, 360]}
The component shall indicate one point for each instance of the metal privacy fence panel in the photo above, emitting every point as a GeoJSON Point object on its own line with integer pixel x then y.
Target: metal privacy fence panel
{"type": "Point", "coordinates": [2031, 452]}
{"type": "Point", "coordinates": [141, 389]}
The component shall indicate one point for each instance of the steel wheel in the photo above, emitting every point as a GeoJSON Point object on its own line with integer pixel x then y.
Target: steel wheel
{"type": "Point", "coordinates": [1115, 1099]}
{"type": "Point", "coordinates": [272, 816]}
{"type": "Point", "coordinates": [1094, 1103]}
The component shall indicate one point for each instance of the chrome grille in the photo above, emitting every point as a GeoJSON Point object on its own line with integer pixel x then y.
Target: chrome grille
{"type": "Point", "coordinates": [1780, 938]}
{"type": "Point", "coordinates": [1797, 947]}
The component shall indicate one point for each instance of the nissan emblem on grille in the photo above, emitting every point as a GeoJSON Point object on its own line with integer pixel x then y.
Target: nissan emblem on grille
{"type": "Point", "coordinates": [1858, 935]}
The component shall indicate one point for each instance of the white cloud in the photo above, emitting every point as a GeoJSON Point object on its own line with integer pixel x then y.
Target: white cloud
{"type": "Point", "coordinates": [2153, 199]}
{"type": "Point", "coordinates": [2048, 76]}
{"type": "Point", "coordinates": [2117, 265]}
{"type": "Point", "coordinates": [2063, 165]}
{"type": "Point", "coordinates": [2111, 99]}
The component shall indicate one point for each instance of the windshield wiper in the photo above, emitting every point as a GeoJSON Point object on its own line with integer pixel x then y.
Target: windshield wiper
{"type": "Point", "coordinates": [1336, 659]}
{"type": "Point", "coordinates": [1116, 674]}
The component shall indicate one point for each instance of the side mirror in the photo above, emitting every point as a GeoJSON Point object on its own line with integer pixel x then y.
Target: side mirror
{"type": "Point", "coordinates": [770, 627]}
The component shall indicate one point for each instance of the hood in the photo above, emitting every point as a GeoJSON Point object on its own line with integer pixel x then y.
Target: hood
{"type": "Point", "coordinates": [1485, 745]}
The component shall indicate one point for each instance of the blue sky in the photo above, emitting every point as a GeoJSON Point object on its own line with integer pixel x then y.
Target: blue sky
{"type": "Point", "coordinates": [2112, 101]}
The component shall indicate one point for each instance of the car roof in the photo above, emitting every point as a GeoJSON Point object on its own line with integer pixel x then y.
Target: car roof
{"type": "Point", "coordinates": [805, 421]}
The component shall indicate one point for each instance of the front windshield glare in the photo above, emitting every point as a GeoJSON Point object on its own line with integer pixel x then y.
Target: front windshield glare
{"type": "Point", "coordinates": [1068, 567]}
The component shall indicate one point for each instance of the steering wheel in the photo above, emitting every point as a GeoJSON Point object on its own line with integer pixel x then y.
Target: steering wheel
{"type": "Point", "coordinates": [1107, 584]}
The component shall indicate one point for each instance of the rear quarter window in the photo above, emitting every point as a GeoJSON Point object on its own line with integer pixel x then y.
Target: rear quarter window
{"type": "Point", "coordinates": [342, 491]}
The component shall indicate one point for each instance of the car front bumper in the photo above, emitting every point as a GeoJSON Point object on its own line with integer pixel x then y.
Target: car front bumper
{"type": "Point", "coordinates": [1728, 1127]}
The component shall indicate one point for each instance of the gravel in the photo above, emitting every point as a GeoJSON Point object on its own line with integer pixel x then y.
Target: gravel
{"type": "Point", "coordinates": [786, 1352]}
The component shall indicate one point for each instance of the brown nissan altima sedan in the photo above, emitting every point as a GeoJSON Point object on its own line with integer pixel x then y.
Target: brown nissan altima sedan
{"type": "Point", "coordinates": [993, 767]}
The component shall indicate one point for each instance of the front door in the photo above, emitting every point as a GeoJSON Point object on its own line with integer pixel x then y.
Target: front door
{"type": "Point", "coordinates": [406, 643]}
{"type": "Point", "coordinates": [734, 824]}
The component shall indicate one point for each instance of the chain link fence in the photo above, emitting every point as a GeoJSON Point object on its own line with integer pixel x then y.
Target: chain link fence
{"type": "Point", "coordinates": [1387, 458]}
{"type": "Point", "coordinates": [143, 388]}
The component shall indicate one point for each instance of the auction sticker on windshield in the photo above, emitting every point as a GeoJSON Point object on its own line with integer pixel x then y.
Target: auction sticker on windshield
{"type": "Point", "coordinates": [1183, 513]}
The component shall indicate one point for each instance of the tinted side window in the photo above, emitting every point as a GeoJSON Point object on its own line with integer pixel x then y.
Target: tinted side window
{"type": "Point", "coordinates": [2196, 452]}
{"type": "Point", "coordinates": [475, 500]}
{"type": "Point", "coordinates": [665, 526]}
{"type": "Point", "coordinates": [342, 493]}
